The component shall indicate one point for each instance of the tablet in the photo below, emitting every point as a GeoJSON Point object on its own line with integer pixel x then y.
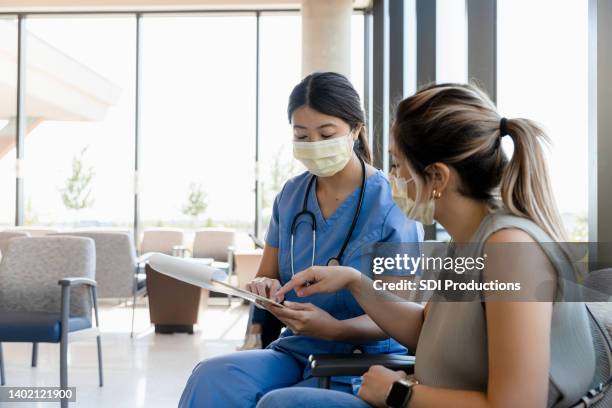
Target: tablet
{"type": "Point", "coordinates": [228, 289]}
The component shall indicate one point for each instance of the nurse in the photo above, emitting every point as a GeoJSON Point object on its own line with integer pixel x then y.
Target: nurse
{"type": "Point", "coordinates": [329, 215]}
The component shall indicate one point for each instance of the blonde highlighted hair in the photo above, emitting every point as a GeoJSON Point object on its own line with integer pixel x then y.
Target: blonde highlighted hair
{"type": "Point", "coordinates": [458, 125]}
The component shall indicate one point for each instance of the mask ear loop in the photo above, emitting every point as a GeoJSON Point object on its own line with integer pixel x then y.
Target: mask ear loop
{"type": "Point", "coordinates": [418, 198]}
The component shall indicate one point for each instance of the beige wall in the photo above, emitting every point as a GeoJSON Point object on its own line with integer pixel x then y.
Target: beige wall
{"type": "Point", "coordinates": [326, 36]}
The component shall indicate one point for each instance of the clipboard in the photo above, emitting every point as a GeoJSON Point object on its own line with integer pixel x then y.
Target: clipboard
{"type": "Point", "coordinates": [203, 275]}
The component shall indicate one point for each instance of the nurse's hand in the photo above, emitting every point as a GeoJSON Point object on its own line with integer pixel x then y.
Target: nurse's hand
{"type": "Point", "coordinates": [321, 279]}
{"type": "Point", "coordinates": [306, 319]}
{"type": "Point", "coordinates": [266, 287]}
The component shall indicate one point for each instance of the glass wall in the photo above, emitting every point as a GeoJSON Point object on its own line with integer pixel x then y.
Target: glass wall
{"type": "Point", "coordinates": [198, 121]}
{"type": "Point", "coordinates": [280, 69]}
{"type": "Point", "coordinates": [198, 117]}
{"type": "Point", "coordinates": [79, 148]}
{"type": "Point", "coordinates": [357, 53]}
{"type": "Point", "coordinates": [8, 111]}
{"type": "Point", "coordinates": [542, 75]}
{"type": "Point", "coordinates": [451, 41]}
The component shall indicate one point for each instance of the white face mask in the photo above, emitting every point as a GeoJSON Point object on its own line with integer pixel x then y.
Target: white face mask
{"type": "Point", "coordinates": [324, 158]}
{"type": "Point", "coordinates": [421, 212]}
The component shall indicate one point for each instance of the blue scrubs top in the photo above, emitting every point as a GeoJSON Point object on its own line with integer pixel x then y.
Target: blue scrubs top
{"type": "Point", "coordinates": [380, 220]}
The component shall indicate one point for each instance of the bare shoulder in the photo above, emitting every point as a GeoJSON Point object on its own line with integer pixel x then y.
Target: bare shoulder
{"type": "Point", "coordinates": [515, 256]}
{"type": "Point", "coordinates": [513, 243]}
{"type": "Point", "coordinates": [509, 235]}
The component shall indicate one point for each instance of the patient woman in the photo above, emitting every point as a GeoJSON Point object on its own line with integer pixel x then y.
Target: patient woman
{"type": "Point", "coordinates": [330, 140]}
{"type": "Point", "coordinates": [446, 143]}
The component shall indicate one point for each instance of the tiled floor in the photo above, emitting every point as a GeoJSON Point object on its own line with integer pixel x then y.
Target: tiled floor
{"type": "Point", "coordinates": [149, 370]}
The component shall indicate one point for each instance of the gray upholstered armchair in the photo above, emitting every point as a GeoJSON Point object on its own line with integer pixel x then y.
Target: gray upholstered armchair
{"type": "Point", "coordinates": [214, 243]}
{"type": "Point", "coordinates": [162, 240]}
{"type": "Point", "coordinates": [6, 236]}
{"type": "Point", "coordinates": [47, 291]}
{"type": "Point", "coordinates": [119, 271]}
{"type": "Point", "coordinates": [218, 244]}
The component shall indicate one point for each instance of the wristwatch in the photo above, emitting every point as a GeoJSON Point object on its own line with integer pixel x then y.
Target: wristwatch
{"type": "Point", "coordinates": [400, 393]}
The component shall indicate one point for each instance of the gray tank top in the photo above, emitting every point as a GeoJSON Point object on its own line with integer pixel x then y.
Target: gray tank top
{"type": "Point", "coordinates": [452, 351]}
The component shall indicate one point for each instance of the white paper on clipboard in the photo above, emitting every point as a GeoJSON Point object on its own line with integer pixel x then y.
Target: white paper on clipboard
{"type": "Point", "coordinates": [204, 276]}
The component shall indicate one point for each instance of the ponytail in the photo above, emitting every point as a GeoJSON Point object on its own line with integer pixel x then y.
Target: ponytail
{"type": "Point", "coordinates": [525, 185]}
{"type": "Point", "coordinates": [458, 125]}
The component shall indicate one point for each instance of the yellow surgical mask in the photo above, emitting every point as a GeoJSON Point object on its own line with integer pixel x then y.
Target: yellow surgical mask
{"type": "Point", "coordinates": [324, 158]}
{"type": "Point", "coordinates": [421, 212]}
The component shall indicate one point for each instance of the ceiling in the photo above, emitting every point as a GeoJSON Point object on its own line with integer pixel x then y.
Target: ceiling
{"type": "Point", "coordinates": [149, 5]}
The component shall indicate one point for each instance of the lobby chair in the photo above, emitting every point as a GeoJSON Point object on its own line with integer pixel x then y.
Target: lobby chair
{"type": "Point", "coordinates": [245, 265]}
{"type": "Point", "coordinates": [119, 271]}
{"type": "Point", "coordinates": [161, 240]}
{"type": "Point", "coordinates": [325, 366]}
{"type": "Point", "coordinates": [215, 243]}
{"type": "Point", "coordinates": [47, 292]}
{"type": "Point", "coordinates": [6, 236]}
{"type": "Point", "coordinates": [598, 289]}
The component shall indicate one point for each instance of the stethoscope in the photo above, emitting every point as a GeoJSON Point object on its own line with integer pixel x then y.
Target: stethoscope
{"type": "Point", "coordinates": [335, 260]}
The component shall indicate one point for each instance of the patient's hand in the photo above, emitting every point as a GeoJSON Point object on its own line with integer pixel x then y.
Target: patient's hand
{"type": "Point", "coordinates": [308, 320]}
{"type": "Point", "coordinates": [376, 384]}
{"type": "Point", "coordinates": [321, 279]}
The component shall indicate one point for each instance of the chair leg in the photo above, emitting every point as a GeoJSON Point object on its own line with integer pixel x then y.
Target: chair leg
{"type": "Point", "coordinates": [64, 368]}
{"type": "Point", "coordinates": [133, 314]}
{"type": "Point", "coordinates": [65, 322]}
{"type": "Point", "coordinates": [100, 371]}
{"type": "Point", "coordinates": [34, 354]}
{"type": "Point", "coordinates": [2, 379]}
{"type": "Point", "coordinates": [94, 302]}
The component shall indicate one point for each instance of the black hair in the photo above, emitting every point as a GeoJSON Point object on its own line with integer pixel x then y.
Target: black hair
{"type": "Point", "coordinates": [332, 94]}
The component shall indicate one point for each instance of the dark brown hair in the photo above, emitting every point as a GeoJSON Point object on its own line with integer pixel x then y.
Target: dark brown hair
{"type": "Point", "coordinates": [458, 125]}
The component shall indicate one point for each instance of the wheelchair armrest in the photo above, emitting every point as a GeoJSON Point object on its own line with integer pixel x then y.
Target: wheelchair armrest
{"type": "Point", "coordinates": [327, 365]}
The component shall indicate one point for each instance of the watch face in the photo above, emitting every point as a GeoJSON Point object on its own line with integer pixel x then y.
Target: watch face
{"type": "Point", "coordinates": [398, 394]}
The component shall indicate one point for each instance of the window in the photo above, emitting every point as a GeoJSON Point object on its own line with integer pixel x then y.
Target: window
{"type": "Point", "coordinates": [197, 117]}
{"type": "Point", "coordinates": [542, 75]}
{"type": "Point", "coordinates": [79, 146]}
{"type": "Point", "coordinates": [280, 71]}
{"type": "Point", "coordinates": [451, 41]}
{"type": "Point", "coordinates": [357, 53]}
{"type": "Point", "coordinates": [198, 121]}
{"type": "Point", "coordinates": [8, 112]}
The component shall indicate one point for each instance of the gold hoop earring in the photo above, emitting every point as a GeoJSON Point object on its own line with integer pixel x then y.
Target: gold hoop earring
{"type": "Point", "coordinates": [436, 194]}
